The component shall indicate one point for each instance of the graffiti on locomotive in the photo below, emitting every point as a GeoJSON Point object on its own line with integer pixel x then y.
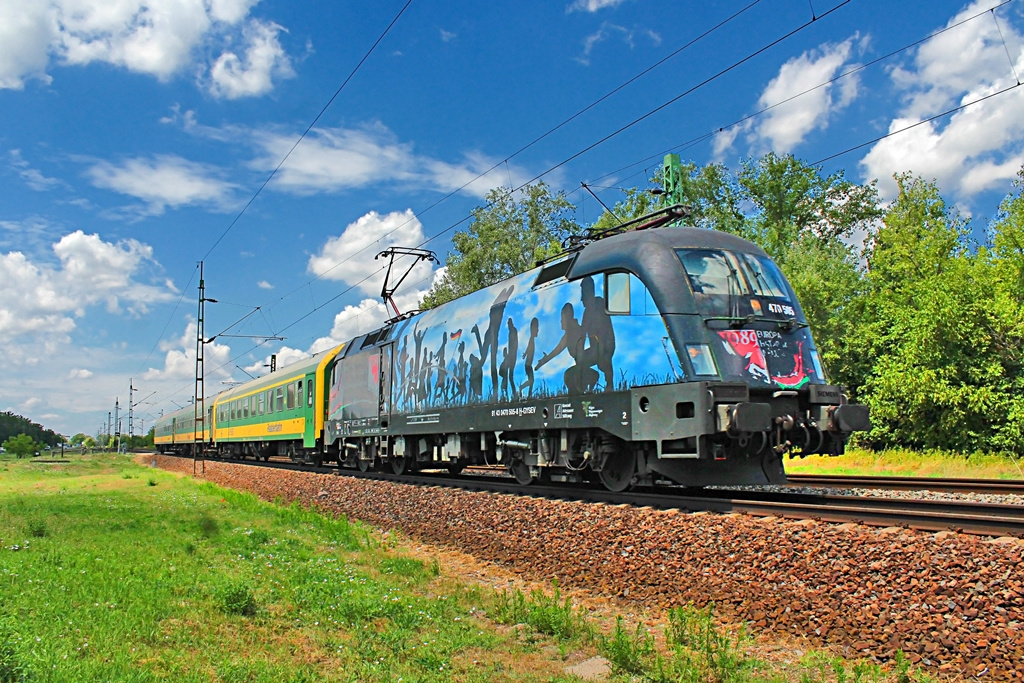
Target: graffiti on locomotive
{"type": "Point", "coordinates": [510, 342]}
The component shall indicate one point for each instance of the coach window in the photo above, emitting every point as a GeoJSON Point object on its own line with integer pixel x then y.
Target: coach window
{"type": "Point", "coordinates": [617, 293]}
{"type": "Point", "coordinates": [270, 401]}
{"type": "Point", "coordinates": [280, 398]}
{"type": "Point", "coordinates": [309, 394]}
{"type": "Point", "coordinates": [234, 410]}
{"type": "Point", "coordinates": [245, 407]}
{"type": "Point", "coordinates": [259, 402]}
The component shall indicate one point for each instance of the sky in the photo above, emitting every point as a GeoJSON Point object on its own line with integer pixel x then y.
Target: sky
{"type": "Point", "coordinates": [140, 137]}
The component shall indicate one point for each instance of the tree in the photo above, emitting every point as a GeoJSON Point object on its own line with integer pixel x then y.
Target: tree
{"type": "Point", "coordinates": [507, 237]}
{"type": "Point", "coordinates": [944, 333]}
{"type": "Point", "coordinates": [21, 445]}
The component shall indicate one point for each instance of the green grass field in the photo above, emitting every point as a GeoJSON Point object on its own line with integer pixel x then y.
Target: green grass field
{"type": "Point", "coordinates": [113, 572]}
{"type": "Point", "coordinates": [907, 463]}
{"type": "Point", "coordinates": [110, 571]}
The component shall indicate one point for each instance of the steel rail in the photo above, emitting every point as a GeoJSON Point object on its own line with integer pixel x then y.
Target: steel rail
{"type": "Point", "coordinates": [997, 486]}
{"type": "Point", "coordinates": [985, 519]}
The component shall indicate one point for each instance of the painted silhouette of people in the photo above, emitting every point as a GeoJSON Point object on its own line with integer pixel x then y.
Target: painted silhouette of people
{"type": "Point", "coordinates": [528, 356]}
{"type": "Point", "coordinates": [461, 370]}
{"type": "Point", "coordinates": [600, 335]}
{"type": "Point", "coordinates": [476, 375]}
{"type": "Point", "coordinates": [578, 378]}
{"type": "Point", "coordinates": [442, 370]}
{"type": "Point", "coordinates": [508, 361]}
{"type": "Point", "coordinates": [490, 341]}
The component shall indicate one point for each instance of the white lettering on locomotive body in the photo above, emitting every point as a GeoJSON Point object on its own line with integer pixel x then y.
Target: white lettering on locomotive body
{"type": "Point", "coordinates": [517, 411]}
{"type": "Point", "coordinates": [781, 308]}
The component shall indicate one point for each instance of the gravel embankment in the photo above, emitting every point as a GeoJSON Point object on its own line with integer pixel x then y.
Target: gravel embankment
{"type": "Point", "coordinates": [954, 603]}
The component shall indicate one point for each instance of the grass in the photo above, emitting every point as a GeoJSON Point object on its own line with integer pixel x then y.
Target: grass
{"type": "Point", "coordinates": [908, 463]}
{"type": "Point", "coordinates": [107, 576]}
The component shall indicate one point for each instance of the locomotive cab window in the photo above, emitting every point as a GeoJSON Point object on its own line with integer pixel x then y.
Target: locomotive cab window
{"type": "Point", "coordinates": [616, 289]}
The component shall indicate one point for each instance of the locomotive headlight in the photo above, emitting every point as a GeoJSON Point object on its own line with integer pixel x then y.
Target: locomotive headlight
{"type": "Point", "coordinates": [701, 359]}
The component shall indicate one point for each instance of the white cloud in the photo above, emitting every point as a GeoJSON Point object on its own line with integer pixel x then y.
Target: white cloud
{"type": "Point", "coordinates": [785, 126]}
{"type": "Point", "coordinates": [609, 30]}
{"type": "Point", "coordinates": [232, 77]}
{"type": "Point", "coordinates": [333, 159]}
{"type": "Point", "coordinates": [165, 180]}
{"type": "Point", "coordinates": [43, 301]}
{"type": "Point", "coordinates": [448, 36]}
{"type": "Point", "coordinates": [350, 256]}
{"type": "Point", "coordinates": [79, 373]}
{"type": "Point", "coordinates": [977, 148]}
{"type": "Point", "coordinates": [32, 177]}
{"type": "Point", "coordinates": [180, 360]}
{"type": "Point", "coordinates": [592, 5]}
{"type": "Point", "coordinates": [155, 37]}
{"type": "Point", "coordinates": [263, 284]}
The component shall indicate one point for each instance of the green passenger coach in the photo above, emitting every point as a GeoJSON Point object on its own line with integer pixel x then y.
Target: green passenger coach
{"type": "Point", "coordinates": [279, 414]}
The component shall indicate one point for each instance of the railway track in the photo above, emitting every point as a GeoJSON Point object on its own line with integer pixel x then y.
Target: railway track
{"type": "Point", "coordinates": [997, 486]}
{"type": "Point", "coordinates": [985, 519]}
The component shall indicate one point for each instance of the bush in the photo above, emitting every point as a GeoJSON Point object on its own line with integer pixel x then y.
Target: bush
{"type": "Point", "coordinates": [237, 598]}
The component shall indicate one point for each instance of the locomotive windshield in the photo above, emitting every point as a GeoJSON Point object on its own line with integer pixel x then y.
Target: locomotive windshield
{"type": "Point", "coordinates": [757, 331]}
{"type": "Point", "coordinates": [738, 286]}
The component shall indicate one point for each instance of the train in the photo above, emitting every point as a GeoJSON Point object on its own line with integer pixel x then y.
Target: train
{"type": "Point", "coordinates": [646, 355]}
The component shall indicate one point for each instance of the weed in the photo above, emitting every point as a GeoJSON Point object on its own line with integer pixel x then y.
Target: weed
{"type": "Point", "coordinates": [628, 652]}
{"type": "Point", "coordinates": [151, 482]}
{"type": "Point", "coordinates": [127, 475]}
{"type": "Point", "coordinates": [546, 614]}
{"type": "Point", "coordinates": [408, 567]}
{"type": "Point", "coordinates": [435, 567]}
{"type": "Point", "coordinates": [236, 598]}
{"type": "Point", "coordinates": [37, 528]}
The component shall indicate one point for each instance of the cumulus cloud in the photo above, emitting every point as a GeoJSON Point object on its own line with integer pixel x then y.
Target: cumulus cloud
{"type": "Point", "coordinates": [264, 59]}
{"type": "Point", "coordinates": [977, 148]}
{"type": "Point", "coordinates": [44, 300]}
{"type": "Point", "coordinates": [155, 37]}
{"type": "Point", "coordinates": [180, 359]}
{"type": "Point", "coordinates": [263, 284]}
{"type": "Point", "coordinates": [785, 126]}
{"type": "Point", "coordinates": [79, 373]}
{"type": "Point", "coordinates": [333, 159]}
{"type": "Point", "coordinates": [349, 256]}
{"type": "Point", "coordinates": [164, 181]}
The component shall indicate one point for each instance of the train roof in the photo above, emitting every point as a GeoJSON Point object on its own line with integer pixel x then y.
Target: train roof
{"type": "Point", "coordinates": [639, 250]}
{"type": "Point", "coordinates": [281, 375]}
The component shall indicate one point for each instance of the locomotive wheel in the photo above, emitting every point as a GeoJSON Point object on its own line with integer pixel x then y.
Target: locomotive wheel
{"type": "Point", "coordinates": [521, 471]}
{"type": "Point", "coordinates": [619, 468]}
{"type": "Point", "coordinates": [455, 469]}
{"type": "Point", "coordinates": [364, 465]}
{"type": "Point", "coordinates": [398, 465]}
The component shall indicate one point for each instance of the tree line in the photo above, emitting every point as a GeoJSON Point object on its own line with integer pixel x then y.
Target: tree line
{"type": "Point", "coordinates": [914, 316]}
{"type": "Point", "coordinates": [13, 425]}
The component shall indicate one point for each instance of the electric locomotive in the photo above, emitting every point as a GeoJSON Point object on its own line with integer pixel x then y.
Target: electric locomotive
{"type": "Point", "coordinates": [662, 353]}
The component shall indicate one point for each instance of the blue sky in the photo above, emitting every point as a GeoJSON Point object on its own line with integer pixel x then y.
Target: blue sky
{"type": "Point", "coordinates": [133, 133]}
